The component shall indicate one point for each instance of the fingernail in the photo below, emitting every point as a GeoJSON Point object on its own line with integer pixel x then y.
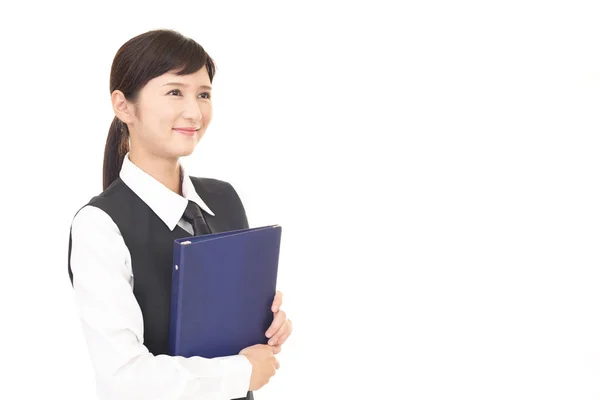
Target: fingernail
{"type": "Point", "coordinates": [268, 334]}
{"type": "Point", "coordinates": [271, 342]}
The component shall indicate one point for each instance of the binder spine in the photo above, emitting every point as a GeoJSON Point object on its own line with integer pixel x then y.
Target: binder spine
{"type": "Point", "coordinates": [175, 323]}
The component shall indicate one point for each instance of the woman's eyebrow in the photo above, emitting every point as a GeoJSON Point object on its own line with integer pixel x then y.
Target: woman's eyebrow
{"type": "Point", "coordinates": [185, 85]}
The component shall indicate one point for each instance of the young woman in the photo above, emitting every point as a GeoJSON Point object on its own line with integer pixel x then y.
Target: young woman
{"type": "Point", "coordinates": [121, 243]}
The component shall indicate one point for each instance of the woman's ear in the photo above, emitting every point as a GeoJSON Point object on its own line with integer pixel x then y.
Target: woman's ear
{"type": "Point", "coordinates": [122, 108]}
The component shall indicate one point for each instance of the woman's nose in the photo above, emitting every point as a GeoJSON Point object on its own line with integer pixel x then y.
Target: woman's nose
{"type": "Point", "coordinates": [192, 110]}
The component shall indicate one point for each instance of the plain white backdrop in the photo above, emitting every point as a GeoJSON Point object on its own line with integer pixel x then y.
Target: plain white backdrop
{"type": "Point", "coordinates": [434, 166]}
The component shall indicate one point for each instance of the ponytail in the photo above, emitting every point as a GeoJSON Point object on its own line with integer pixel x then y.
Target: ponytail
{"type": "Point", "coordinates": [117, 146]}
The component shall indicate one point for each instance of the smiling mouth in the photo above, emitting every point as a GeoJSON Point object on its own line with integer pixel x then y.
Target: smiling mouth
{"type": "Point", "coordinates": [187, 132]}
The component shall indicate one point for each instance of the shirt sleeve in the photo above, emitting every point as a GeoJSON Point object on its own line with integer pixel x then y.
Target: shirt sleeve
{"type": "Point", "coordinates": [112, 324]}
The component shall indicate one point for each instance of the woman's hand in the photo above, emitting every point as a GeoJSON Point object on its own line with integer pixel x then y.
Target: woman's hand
{"type": "Point", "coordinates": [281, 328]}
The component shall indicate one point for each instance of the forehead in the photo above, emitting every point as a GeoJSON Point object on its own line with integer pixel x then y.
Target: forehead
{"type": "Point", "coordinates": [196, 79]}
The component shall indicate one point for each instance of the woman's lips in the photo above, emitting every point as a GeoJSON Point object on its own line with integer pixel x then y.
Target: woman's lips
{"type": "Point", "coordinates": [187, 132]}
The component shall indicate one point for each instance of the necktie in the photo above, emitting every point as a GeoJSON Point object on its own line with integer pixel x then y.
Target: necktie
{"type": "Point", "coordinates": [193, 215]}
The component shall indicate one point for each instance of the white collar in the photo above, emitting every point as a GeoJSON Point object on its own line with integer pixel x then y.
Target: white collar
{"type": "Point", "coordinates": [168, 205]}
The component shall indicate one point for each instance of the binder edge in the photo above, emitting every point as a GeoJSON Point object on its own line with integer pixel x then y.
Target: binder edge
{"type": "Point", "coordinates": [175, 307]}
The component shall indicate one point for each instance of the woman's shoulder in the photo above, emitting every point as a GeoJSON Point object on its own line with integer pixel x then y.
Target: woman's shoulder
{"type": "Point", "coordinates": [109, 199]}
{"type": "Point", "coordinates": [116, 187]}
{"type": "Point", "coordinates": [211, 185]}
{"type": "Point", "coordinates": [94, 213]}
{"type": "Point", "coordinates": [90, 219]}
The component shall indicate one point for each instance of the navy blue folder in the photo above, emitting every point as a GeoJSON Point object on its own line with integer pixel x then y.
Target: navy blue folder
{"type": "Point", "coordinates": [222, 291]}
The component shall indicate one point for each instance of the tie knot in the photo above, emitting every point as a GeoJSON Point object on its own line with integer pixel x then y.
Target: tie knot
{"type": "Point", "coordinates": [192, 211]}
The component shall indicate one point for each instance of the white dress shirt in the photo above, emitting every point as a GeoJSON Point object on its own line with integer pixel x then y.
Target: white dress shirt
{"type": "Point", "coordinates": [112, 319]}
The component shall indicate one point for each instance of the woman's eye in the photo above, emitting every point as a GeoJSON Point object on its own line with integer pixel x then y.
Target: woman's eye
{"type": "Point", "coordinates": [205, 95]}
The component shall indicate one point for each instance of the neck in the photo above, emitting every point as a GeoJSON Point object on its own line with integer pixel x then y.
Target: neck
{"type": "Point", "coordinates": [166, 171]}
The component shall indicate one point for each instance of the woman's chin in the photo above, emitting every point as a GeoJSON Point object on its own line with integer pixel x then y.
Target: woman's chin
{"type": "Point", "coordinates": [185, 152]}
{"type": "Point", "coordinates": [181, 148]}
{"type": "Point", "coordinates": [177, 152]}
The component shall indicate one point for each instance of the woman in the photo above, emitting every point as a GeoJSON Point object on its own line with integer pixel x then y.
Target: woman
{"type": "Point", "coordinates": [120, 249]}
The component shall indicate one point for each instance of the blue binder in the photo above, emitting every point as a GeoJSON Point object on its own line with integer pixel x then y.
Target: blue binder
{"type": "Point", "coordinates": [222, 291]}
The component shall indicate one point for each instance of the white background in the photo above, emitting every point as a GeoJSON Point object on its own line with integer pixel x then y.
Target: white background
{"type": "Point", "coordinates": [434, 166]}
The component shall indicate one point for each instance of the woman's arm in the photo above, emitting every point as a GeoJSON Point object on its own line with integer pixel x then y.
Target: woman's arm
{"type": "Point", "coordinates": [113, 326]}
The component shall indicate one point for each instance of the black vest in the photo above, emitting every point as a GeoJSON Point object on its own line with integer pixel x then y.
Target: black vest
{"type": "Point", "coordinates": [150, 243]}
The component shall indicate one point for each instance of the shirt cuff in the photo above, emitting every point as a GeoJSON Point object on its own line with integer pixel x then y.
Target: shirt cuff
{"type": "Point", "coordinates": [237, 373]}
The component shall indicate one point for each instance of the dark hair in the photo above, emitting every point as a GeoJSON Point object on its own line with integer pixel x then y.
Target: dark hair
{"type": "Point", "coordinates": [139, 60]}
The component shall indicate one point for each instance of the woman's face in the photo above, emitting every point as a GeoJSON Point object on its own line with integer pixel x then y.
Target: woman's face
{"type": "Point", "coordinates": [172, 114]}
